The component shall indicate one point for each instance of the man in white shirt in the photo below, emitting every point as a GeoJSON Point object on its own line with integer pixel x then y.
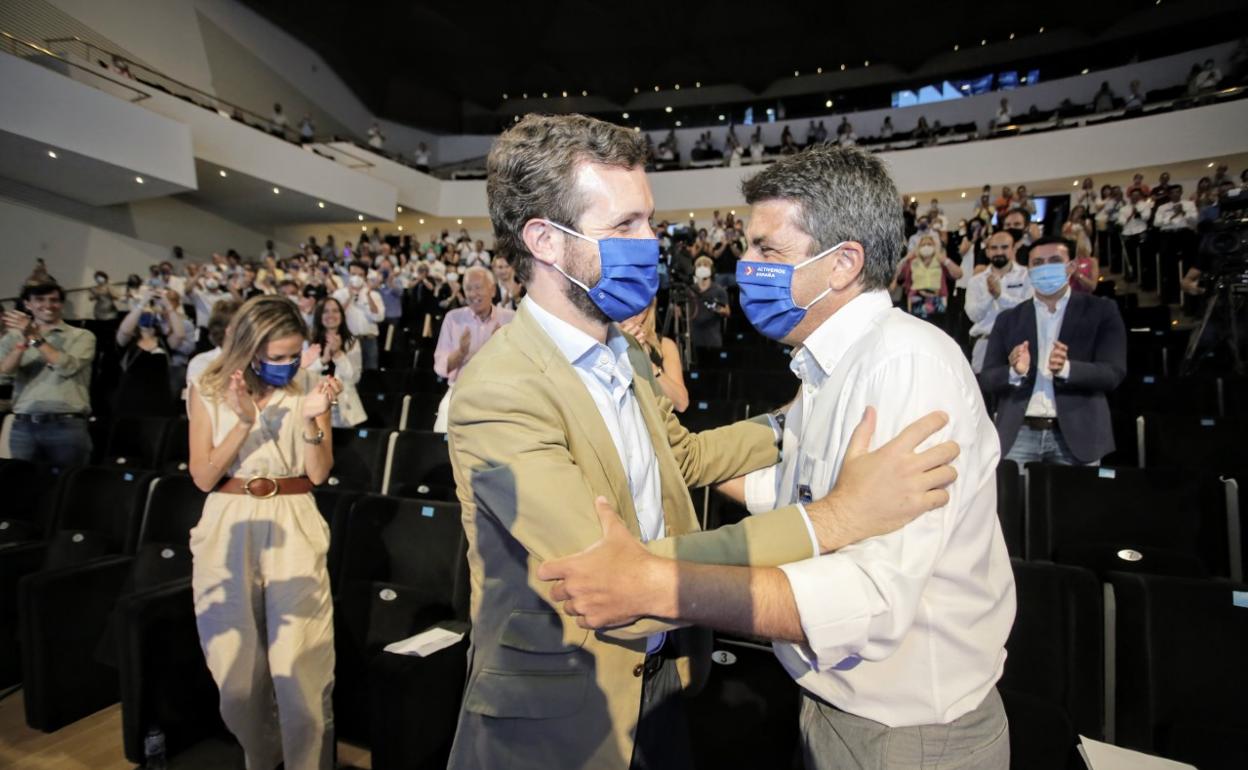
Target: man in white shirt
{"type": "Point", "coordinates": [365, 309]}
{"type": "Point", "coordinates": [1134, 217]}
{"type": "Point", "coordinates": [893, 640]}
{"type": "Point", "coordinates": [1002, 286]}
{"type": "Point", "coordinates": [1175, 220]}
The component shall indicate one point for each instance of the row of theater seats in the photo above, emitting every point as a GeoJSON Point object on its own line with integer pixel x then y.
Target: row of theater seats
{"type": "Point", "coordinates": [96, 607]}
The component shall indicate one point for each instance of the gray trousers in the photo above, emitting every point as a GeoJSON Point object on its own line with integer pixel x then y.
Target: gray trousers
{"type": "Point", "coordinates": [835, 740]}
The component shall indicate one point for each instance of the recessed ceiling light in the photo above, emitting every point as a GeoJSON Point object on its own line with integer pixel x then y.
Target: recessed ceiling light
{"type": "Point", "coordinates": [818, 70]}
{"type": "Point", "coordinates": [422, 221]}
{"type": "Point", "coordinates": [626, 116]}
{"type": "Point", "coordinates": [678, 124]}
{"type": "Point", "coordinates": [697, 84]}
{"type": "Point", "coordinates": [504, 97]}
{"type": "Point", "coordinates": [364, 229]}
{"type": "Point", "coordinates": [584, 93]}
{"type": "Point", "coordinates": [1084, 71]}
{"type": "Point", "coordinates": [276, 191]}
{"type": "Point", "coordinates": [678, 86]}
{"type": "Point", "coordinates": [52, 154]}
{"type": "Point", "coordinates": [656, 89]}
{"type": "Point", "coordinates": [956, 46]}
{"type": "Point", "coordinates": [963, 195]}
{"type": "Point", "coordinates": [399, 209]}
{"type": "Point", "coordinates": [842, 68]}
{"type": "Point", "coordinates": [1075, 183]}
{"type": "Point", "coordinates": [543, 94]}
{"type": "Point", "coordinates": [565, 94]}
{"type": "Point", "coordinates": [691, 215]}
{"type": "Point", "coordinates": [1209, 166]}
{"type": "Point", "coordinates": [733, 212]}
{"type": "Point", "coordinates": [721, 117]}
{"type": "Point", "coordinates": [515, 119]}
{"type": "Point", "coordinates": [636, 90]}
{"type": "Point", "coordinates": [667, 109]}
{"type": "Point", "coordinates": [222, 173]}
{"type": "Point", "coordinates": [320, 204]}
{"type": "Point", "coordinates": [524, 96]}
{"type": "Point", "coordinates": [983, 42]}
{"type": "Point", "coordinates": [139, 179]}
{"type": "Point", "coordinates": [866, 64]}
{"type": "Point", "coordinates": [1042, 30]}
{"type": "Point", "coordinates": [360, 217]}
{"type": "Point", "coordinates": [400, 228]}
{"type": "Point", "coordinates": [1011, 36]}
{"type": "Point", "coordinates": [459, 221]}
{"type": "Point", "coordinates": [828, 104]}
{"type": "Point", "coordinates": [636, 129]}
{"type": "Point", "coordinates": [796, 73]}
{"type": "Point", "coordinates": [913, 199]}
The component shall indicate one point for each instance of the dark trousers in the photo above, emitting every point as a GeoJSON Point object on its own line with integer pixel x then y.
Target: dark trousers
{"type": "Point", "coordinates": [63, 443]}
{"type": "Point", "coordinates": [1175, 250]}
{"type": "Point", "coordinates": [662, 741]}
{"type": "Point", "coordinates": [1148, 261]}
{"type": "Point", "coordinates": [1109, 248]}
{"type": "Point", "coordinates": [1132, 246]}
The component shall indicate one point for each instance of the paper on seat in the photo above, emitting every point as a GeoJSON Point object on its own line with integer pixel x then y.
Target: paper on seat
{"type": "Point", "coordinates": [425, 643]}
{"type": "Point", "coordinates": [1104, 756]}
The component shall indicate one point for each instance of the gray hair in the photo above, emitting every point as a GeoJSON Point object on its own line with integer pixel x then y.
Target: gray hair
{"type": "Point", "coordinates": [481, 271]}
{"type": "Point", "coordinates": [845, 194]}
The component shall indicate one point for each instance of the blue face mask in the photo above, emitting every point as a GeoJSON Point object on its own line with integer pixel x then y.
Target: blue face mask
{"type": "Point", "coordinates": [1048, 279]}
{"type": "Point", "coordinates": [147, 320]}
{"type": "Point", "coordinates": [630, 274]}
{"type": "Point", "coordinates": [277, 375]}
{"type": "Point", "coordinates": [767, 294]}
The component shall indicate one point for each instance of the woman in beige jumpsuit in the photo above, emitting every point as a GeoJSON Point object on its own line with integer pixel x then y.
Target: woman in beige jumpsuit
{"type": "Point", "coordinates": [262, 603]}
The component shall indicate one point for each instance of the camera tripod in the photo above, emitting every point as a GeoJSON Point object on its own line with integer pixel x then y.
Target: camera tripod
{"type": "Point", "coordinates": [676, 325]}
{"type": "Point", "coordinates": [1228, 300]}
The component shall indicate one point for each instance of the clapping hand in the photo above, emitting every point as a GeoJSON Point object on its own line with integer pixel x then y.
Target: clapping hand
{"type": "Point", "coordinates": [17, 321]}
{"type": "Point", "coordinates": [239, 400]}
{"type": "Point", "coordinates": [322, 397]}
{"type": "Point", "coordinates": [1020, 358]}
{"type": "Point", "coordinates": [310, 355]}
{"type": "Point", "coordinates": [1058, 358]}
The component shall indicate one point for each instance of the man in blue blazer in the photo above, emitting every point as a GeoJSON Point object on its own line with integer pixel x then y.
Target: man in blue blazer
{"type": "Point", "coordinates": [1050, 362]}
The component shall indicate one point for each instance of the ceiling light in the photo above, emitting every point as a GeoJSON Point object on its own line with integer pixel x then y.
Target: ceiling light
{"type": "Point", "coordinates": [667, 109]}
{"type": "Point", "coordinates": [543, 94]}
{"type": "Point", "coordinates": [52, 154]}
{"type": "Point", "coordinates": [733, 212]}
{"type": "Point", "coordinates": [584, 92]}
{"type": "Point", "coordinates": [504, 97]}
{"type": "Point", "coordinates": [459, 221]}
{"type": "Point", "coordinates": [636, 90]}
{"type": "Point", "coordinates": [956, 46]}
{"type": "Point", "coordinates": [1083, 71]}
{"type": "Point", "coordinates": [360, 217]}
{"type": "Point", "coordinates": [828, 104]}
{"type": "Point", "coordinates": [866, 64]}
{"type": "Point", "coordinates": [276, 191]}
{"type": "Point", "coordinates": [656, 89]}
{"type": "Point", "coordinates": [515, 119]}
{"type": "Point", "coordinates": [678, 86]}
{"type": "Point", "coordinates": [1042, 30]}
{"type": "Point", "coordinates": [678, 124]}
{"type": "Point", "coordinates": [963, 195]}
{"type": "Point", "coordinates": [1209, 166]}
{"type": "Point", "coordinates": [222, 173]}
{"type": "Point", "coordinates": [320, 204]}
{"type": "Point", "coordinates": [691, 215]}
{"type": "Point", "coordinates": [1011, 36]}
{"type": "Point", "coordinates": [842, 68]}
{"type": "Point", "coordinates": [697, 84]}
{"type": "Point", "coordinates": [364, 229]}
{"type": "Point", "coordinates": [636, 129]}
{"type": "Point", "coordinates": [422, 221]}
{"type": "Point", "coordinates": [1075, 183]}
{"type": "Point", "coordinates": [722, 117]}
{"type": "Point", "coordinates": [626, 116]}
{"type": "Point", "coordinates": [565, 94]}
{"type": "Point", "coordinates": [983, 42]}
{"type": "Point", "coordinates": [524, 96]}
{"type": "Point", "coordinates": [796, 73]}
{"type": "Point", "coordinates": [399, 209]}
{"type": "Point", "coordinates": [400, 228]}
{"type": "Point", "coordinates": [818, 70]}
{"type": "Point", "coordinates": [139, 179]}
{"type": "Point", "coordinates": [913, 199]}
{"type": "Point", "coordinates": [1023, 79]}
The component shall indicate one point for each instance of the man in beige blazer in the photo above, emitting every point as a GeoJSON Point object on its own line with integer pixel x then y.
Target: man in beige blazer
{"type": "Point", "coordinates": [550, 417]}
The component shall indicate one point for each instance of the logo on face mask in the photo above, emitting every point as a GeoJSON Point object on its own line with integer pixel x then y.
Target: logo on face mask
{"type": "Point", "coordinates": [767, 294]}
{"type": "Point", "coordinates": [630, 274]}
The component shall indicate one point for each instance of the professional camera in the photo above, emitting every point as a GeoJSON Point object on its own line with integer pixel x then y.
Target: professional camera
{"type": "Point", "coordinates": [1224, 243]}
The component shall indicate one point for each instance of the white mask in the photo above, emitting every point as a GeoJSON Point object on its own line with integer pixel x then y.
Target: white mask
{"type": "Point", "coordinates": [452, 277]}
{"type": "Point", "coordinates": [356, 282]}
{"type": "Point", "coordinates": [927, 250]}
{"type": "Point", "coordinates": [211, 284]}
{"type": "Point", "coordinates": [702, 271]}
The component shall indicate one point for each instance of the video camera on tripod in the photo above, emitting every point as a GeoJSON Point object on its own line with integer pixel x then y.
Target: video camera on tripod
{"type": "Point", "coordinates": [1223, 261]}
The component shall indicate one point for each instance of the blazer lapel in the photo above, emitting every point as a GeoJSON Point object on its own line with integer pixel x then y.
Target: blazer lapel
{"type": "Point", "coordinates": [1031, 334]}
{"type": "Point", "coordinates": [1074, 313]}
{"type": "Point", "coordinates": [531, 339]}
{"type": "Point", "coordinates": [677, 516]}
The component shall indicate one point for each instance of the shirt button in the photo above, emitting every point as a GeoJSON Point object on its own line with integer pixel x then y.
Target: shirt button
{"type": "Point", "coordinates": [638, 669]}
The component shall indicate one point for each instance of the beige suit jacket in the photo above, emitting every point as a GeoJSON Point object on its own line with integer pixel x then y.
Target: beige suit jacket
{"type": "Point", "coordinates": [530, 453]}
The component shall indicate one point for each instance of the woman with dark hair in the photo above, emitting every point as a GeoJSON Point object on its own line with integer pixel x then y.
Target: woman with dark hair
{"type": "Point", "coordinates": [338, 356]}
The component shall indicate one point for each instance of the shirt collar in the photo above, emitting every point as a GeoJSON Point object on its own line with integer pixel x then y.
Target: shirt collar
{"type": "Point", "coordinates": [1061, 304]}
{"type": "Point", "coordinates": [828, 343]}
{"type": "Point", "coordinates": [579, 348]}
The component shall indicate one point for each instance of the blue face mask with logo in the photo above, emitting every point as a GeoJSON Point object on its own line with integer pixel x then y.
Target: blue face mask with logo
{"type": "Point", "coordinates": [630, 274]}
{"type": "Point", "coordinates": [767, 294]}
{"type": "Point", "coordinates": [1048, 279]}
{"type": "Point", "coordinates": [277, 375]}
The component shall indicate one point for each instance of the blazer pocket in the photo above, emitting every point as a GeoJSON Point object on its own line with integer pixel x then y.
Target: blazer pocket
{"type": "Point", "coordinates": [537, 631]}
{"type": "Point", "coordinates": [506, 694]}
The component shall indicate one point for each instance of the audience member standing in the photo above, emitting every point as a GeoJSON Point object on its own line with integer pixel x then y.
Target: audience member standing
{"type": "Point", "coordinates": [464, 331]}
{"type": "Point", "coordinates": [50, 362]}
{"type": "Point", "coordinates": [1050, 362]}
{"type": "Point", "coordinates": [1003, 285]}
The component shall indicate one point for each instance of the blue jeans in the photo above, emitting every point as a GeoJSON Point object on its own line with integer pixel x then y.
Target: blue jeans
{"type": "Point", "coordinates": [370, 356]}
{"type": "Point", "coordinates": [64, 443]}
{"type": "Point", "coordinates": [1036, 446]}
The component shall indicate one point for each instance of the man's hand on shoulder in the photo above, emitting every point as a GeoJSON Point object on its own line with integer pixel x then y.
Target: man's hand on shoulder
{"type": "Point", "coordinates": [882, 491]}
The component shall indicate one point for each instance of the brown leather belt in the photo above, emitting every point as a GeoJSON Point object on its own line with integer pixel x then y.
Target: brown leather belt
{"type": "Point", "coordinates": [1040, 423]}
{"type": "Point", "coordinates": [264, 487]}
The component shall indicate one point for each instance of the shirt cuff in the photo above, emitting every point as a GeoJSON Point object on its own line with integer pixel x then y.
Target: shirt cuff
{"type": "Point", "coordinates": [775, 428]}
{"type": "Point", "coordinates": [1016, 379]}
{"type": "Point", "coordinates": [810, 530]}
{"type": "Point", "coordinates": [1064, 374]}
{"type": "Point", "coordinates": [833, 610]}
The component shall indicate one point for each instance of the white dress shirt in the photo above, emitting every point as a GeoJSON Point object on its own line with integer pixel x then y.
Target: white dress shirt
{"type": "Point", "coordinates": [983, 308]}
{"type": "Point", "coordinates": [909, 628]}
{"type": "Point", "coordinates": [1172, 217]}
{"type": "Point", "coordinates": [608, 376]}
{"type": "Point", "coordinates": [361, 319]}
{"type": "Point", "coordinates": [1134, 217]}
{"type": "Point", "coordinates": [1043, 401]}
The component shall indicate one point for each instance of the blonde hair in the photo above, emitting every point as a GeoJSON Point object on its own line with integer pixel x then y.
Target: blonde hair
{"type": "Point", "coordinates": [260, 320]}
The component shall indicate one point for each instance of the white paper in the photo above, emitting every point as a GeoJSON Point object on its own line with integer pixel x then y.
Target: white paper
{"type": "Point", "coordinates": [1104, 756]}
{"type": "Point", "coordinates": [425, 643]}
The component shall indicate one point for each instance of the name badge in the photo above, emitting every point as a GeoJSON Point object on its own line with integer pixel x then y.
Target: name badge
{"type": "Point", "coordinates": [803, 494]}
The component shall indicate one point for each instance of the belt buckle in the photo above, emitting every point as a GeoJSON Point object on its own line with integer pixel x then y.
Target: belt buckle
{"type": "Point", "coordinates": [247, 487]}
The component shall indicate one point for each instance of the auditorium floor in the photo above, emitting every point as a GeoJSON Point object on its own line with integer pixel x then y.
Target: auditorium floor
{"type": "Point", "coordinates": [94, 743]}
